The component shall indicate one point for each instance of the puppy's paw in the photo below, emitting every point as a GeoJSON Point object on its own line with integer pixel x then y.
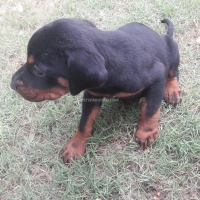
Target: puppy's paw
{"type": "Point", "coordinates": [173, 94]}
{"type": "Point", "coordinates": [146, 136]}
{"type": "Point", "coordinates": [75, 148]}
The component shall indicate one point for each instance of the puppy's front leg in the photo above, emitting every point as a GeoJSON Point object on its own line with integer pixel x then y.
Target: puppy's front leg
{"type": "Point", "coordinates": [76, 147]}
{"type": "Point", "coordinates": [147, 130]}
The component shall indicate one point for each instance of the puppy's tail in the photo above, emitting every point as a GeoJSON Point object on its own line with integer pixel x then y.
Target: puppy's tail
{"type": "Point", "coordinates": [170, 30]}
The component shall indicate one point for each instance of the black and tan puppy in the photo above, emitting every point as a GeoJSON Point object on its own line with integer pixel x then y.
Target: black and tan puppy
{"type": "Point", "coordinates": [72, 55]}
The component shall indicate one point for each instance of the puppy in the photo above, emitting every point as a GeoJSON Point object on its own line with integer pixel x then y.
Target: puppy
{"type": "Point", "coordinates": [72, 55]}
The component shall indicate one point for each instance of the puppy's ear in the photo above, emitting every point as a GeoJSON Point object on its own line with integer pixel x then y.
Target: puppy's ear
{"type": "Point", "coordinates": [85, 70]}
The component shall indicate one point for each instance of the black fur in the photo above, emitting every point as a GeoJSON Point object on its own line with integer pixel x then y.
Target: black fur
{"type": "Point", "coordinates": [103, 63]}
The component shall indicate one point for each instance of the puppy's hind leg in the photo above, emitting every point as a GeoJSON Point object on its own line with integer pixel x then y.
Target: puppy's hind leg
{"type": "Point", "coordinates": [173, 94]}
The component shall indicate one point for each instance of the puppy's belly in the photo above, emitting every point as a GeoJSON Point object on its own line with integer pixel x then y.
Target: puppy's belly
{"type": "Point", "coordinates": [119, 95]}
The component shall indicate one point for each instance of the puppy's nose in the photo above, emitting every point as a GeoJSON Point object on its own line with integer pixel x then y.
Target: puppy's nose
{"type": "Point", "coordinates": [15, 84]}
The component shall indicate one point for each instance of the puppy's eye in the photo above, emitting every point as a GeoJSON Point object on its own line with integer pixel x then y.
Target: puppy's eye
{"type": "Point", "coordinates": [38, 71]}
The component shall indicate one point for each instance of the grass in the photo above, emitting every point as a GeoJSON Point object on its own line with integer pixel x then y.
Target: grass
{"type": "Point", "coordinates": [114, 168]}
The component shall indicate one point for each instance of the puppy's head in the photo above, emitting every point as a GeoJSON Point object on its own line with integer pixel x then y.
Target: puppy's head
{"type": "Point", "coordinates": [61, 58]}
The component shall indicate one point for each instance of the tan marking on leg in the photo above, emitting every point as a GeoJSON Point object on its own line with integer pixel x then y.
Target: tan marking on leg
{"type": "Point", "coordinates": [173, 94]}
{"type": "Point", "coordinates": [147, 130]}
{"type": "Point", "coordinates": [76, 147]}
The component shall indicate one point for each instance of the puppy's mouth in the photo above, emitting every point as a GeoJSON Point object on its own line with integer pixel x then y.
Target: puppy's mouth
{"type": "Point", "coordinates": [37, 95]}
